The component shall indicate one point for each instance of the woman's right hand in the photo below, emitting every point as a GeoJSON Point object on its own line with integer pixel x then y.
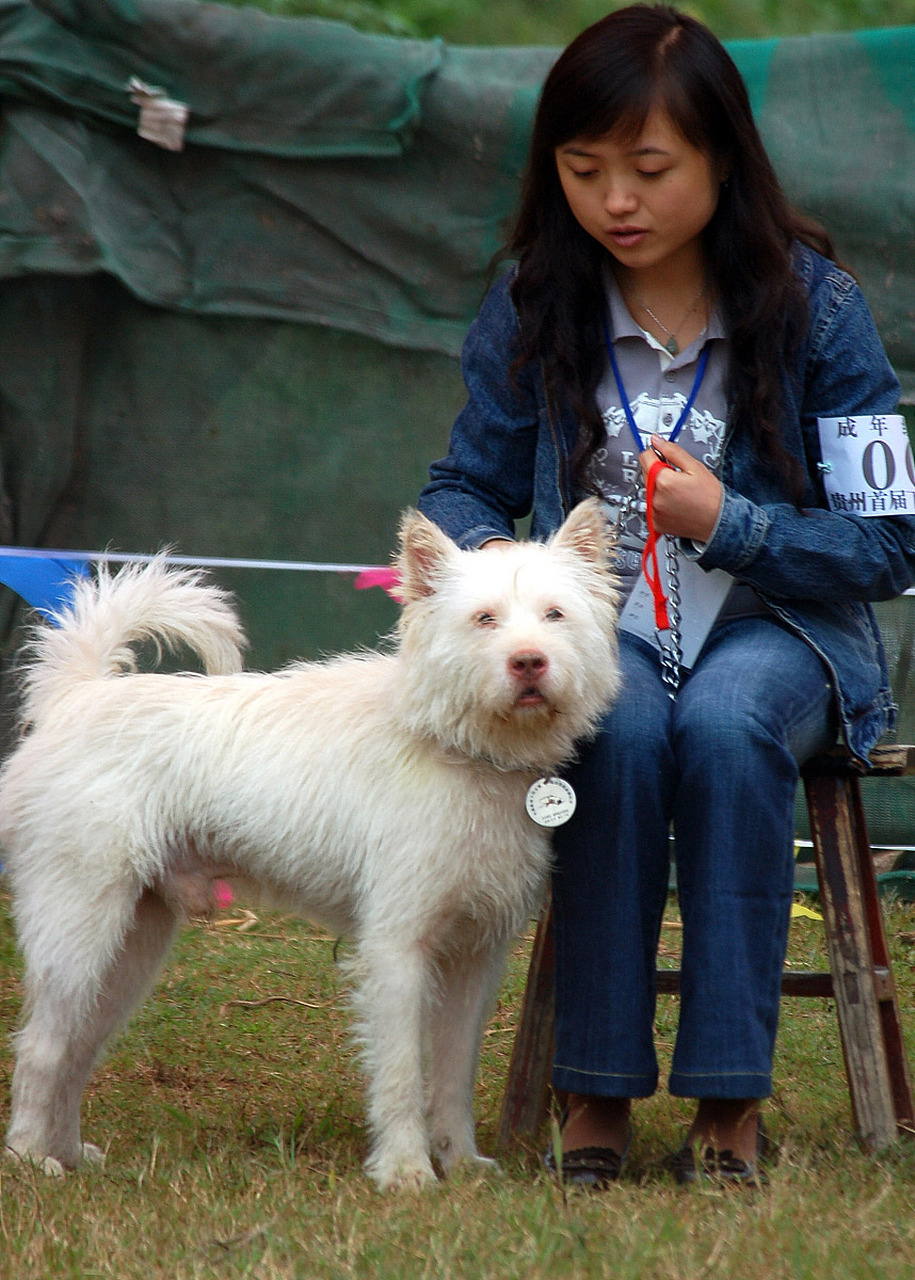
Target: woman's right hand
{"type": "Point", "coordinates": [687, 495]}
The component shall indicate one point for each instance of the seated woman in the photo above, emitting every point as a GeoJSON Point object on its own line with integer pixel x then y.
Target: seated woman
{"type": "Point", "coordinates": [672, 328]}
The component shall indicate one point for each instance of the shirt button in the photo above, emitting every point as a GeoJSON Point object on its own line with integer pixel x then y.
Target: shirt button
{"type": "Point", "coordinates": [670, 377]}
{"type": "Point", "coordinates": [667, 419]}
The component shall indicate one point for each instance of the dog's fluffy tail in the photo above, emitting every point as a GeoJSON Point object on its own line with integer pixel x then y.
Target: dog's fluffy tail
{"type": "Point", "coordinates": [92, 638]}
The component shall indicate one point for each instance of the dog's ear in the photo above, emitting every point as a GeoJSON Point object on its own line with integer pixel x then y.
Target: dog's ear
{"type": "Point", "coordinates": [588, 533]}
{"type": "Point", "coordinates": [425, 553]}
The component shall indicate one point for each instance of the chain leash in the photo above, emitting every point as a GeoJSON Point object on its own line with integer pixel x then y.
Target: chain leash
{"type": "Point", "coordinates": [672, 651]}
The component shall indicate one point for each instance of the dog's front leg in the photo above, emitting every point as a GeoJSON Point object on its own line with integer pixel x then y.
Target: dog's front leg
{"type": "Point", "coordinates": [390, 997]}
{"type": "Point", "coordinates": [467, 985]}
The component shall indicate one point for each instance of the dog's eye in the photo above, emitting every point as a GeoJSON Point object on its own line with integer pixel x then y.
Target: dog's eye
{"type": "Point", "coordinates": [484, 619]}
{"type": "Point", "coordinates": [554, 615]}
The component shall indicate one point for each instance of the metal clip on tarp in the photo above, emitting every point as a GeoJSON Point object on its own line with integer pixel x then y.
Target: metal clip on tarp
{"type": "Point", "coordinates": [162, 119]}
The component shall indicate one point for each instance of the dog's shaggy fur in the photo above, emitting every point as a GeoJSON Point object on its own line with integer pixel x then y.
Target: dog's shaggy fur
{"type": "Point", "coordinates": [382, 794]}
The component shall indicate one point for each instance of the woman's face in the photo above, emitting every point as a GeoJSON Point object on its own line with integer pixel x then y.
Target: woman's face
{"type": "Point", "coordinates": [647, 201]}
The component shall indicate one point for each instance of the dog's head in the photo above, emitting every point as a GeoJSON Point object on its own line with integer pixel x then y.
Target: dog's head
{"type": "Point", "coordinates": [509, 652]}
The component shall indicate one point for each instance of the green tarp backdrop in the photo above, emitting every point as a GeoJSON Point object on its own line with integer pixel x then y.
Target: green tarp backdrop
{"type": "Point", "coordinates": [247, 347]}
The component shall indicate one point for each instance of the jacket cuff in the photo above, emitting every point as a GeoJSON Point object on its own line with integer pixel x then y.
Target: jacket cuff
{"type": "Point", "coordinates": [736, 539]}
{"type": "Point", "coordinates": [473, 539]}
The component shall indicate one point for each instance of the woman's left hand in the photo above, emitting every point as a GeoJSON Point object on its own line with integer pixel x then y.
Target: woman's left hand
{"type": "Point", "coordinates": [687, 496]}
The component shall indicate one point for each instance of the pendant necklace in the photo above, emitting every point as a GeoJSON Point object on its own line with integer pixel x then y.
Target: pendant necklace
{"type": "Point", "coordinates": [672, 346]}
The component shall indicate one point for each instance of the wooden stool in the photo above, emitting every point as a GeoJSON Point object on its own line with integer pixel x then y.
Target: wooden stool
{"type": "Point", "coordinates": [860, 978]}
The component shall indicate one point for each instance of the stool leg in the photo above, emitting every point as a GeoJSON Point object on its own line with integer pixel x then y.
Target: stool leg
{"type": "Point", "coordinates": [524, 1102]}
{"type": "Point", "coordinates": [842, 854]}
{"type": "Point", "coordinates": [896, 1056]}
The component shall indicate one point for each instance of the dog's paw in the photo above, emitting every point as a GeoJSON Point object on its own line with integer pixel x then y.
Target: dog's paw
{"type": "Point", "coordinates": [455, 1152]}
{"type": "Point", "coordinates": [402, 1174]}
{"type": "Point", "coordinates": [50, 1166]}
{"type": "Point", "coordinates": [472, 1164]}
{"type": "Point", "coordinates": [92, 1155]}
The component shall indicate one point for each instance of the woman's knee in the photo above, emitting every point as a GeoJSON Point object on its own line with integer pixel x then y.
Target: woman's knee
{"type": "Point", "coordinates": [763, 688]}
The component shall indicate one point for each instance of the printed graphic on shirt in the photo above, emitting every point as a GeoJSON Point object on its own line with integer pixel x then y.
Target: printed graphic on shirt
{"type": "Point", "coordinates": [659, 417]}
{"type": "Point", "coordinates": [867, 465]}
{"type": "Point", "coordinates": [614, 468]}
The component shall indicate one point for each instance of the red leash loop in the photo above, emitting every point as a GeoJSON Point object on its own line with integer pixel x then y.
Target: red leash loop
{"type": "Point", "coordinates": [650, 566]}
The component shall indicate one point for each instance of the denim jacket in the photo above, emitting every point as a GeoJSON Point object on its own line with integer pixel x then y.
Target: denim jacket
{"type": "Point", "coordinates": [816, 569]}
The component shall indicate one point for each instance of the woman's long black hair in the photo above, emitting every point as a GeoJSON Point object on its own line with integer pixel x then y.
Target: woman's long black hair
{"type": "Point", "coordinates": [605, 83]}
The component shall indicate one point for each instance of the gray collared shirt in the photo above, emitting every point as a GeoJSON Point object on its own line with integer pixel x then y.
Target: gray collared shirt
{"type": "Point", "coordinates": [658, 387]}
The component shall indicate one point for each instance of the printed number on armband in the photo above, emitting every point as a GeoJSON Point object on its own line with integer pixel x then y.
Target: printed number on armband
{"type": "Point", "coordinates": [867, 465]}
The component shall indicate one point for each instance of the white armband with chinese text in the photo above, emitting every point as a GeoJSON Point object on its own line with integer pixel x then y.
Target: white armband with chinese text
{"type": "Point", "coordinates": [867, 465]}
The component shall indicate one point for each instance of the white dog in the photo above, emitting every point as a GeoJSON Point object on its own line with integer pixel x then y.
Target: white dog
{"type": "Point", "coordinates": [383, 794]}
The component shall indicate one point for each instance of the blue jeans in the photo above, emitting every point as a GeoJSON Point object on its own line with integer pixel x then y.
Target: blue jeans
{"type": "Point", "coordinates": [720, 763]}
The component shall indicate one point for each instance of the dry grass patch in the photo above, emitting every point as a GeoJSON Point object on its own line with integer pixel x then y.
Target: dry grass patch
{"type": "Point", "coordinates": [232, 1117]}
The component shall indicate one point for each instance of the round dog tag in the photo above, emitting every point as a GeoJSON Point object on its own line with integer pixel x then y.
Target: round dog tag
{"type": "Point", "coordinates": [550, 802]}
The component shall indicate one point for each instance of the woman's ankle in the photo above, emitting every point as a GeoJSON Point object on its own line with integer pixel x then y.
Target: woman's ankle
{"type": "Point", "coordinates": [727, 1124]}
{"type": "Point", "coordinates": [593, 1121]}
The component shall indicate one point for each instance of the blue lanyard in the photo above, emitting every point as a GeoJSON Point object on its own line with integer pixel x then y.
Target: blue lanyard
{"type": "Point", "coordinates": [697, 383]}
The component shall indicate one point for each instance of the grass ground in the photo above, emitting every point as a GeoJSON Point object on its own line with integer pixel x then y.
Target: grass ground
{"type": "Point", "coordinates": [232, 1116]}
